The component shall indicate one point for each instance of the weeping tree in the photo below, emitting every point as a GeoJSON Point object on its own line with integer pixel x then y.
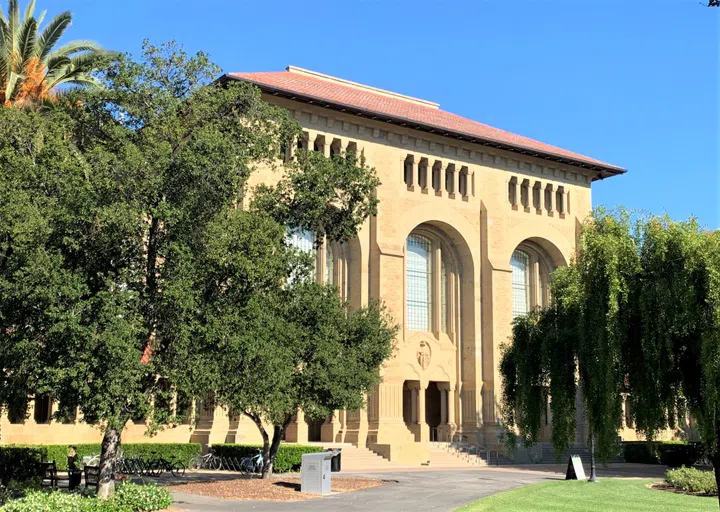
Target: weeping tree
{"type": "Point", "coordinates": [637, 312]}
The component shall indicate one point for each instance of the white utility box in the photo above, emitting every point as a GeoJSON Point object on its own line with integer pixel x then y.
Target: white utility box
{"type": "Point", "coordinates": [315, 472]}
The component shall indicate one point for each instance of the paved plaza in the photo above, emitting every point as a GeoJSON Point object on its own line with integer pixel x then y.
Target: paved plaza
{"type": "Point", "coordinates": [417, 490]}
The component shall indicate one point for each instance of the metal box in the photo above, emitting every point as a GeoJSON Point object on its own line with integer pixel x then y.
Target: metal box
{"type": "Point", "coordinates": [315, 472]}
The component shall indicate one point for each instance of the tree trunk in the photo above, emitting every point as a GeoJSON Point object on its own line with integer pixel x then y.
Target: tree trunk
{"type": "Point", "coordinates": [108, 456]}
{"type": "Point", "coordinates": [272, 453]}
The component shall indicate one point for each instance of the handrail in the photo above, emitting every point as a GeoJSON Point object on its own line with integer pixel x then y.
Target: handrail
{"type": "Point", "coordinates": [461, 442]}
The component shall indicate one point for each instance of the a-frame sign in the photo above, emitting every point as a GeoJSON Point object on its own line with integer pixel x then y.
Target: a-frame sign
{"type": "Point", "coordinates": [575, 469]}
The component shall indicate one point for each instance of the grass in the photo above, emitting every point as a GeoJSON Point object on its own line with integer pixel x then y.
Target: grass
{"type": "Point", "coordinates": [607, 495]}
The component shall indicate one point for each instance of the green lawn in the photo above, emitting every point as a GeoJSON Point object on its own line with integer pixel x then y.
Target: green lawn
{"type": "Point", "coordinates": [607, 495]}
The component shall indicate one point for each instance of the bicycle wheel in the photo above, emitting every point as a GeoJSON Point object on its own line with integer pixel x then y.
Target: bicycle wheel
{"type": "Point", "coordinates": [177, 469]}
{"type": "Point", "coordinates": [194, 464]}
{"type": "Point", "coordinates": [214, 463]}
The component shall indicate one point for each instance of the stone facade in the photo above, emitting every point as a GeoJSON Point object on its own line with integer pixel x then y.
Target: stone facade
{"type": "Point", "coordinates": [471, 207]}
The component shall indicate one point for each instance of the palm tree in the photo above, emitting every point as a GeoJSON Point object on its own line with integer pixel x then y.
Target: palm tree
{"type": "Point", "coordinates": [30, 69]}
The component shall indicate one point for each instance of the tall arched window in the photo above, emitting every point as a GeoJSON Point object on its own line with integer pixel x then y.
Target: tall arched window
{"type": "Point", "coordinates": [444, 296]}
{"type": "Point", "coordinates": [419, 283]}
{"type": "Point", "coordinates": [531, 269]}
{"type": "Point", "coordinates": [520, 263]}
{"type": "Point", "coordinates": [432, 284]}
{"type": "Point", "coordinates": [302, 240]}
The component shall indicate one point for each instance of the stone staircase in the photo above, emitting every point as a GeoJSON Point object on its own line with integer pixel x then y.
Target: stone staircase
{"type": "Point", "coordinates": [442, 455]}
{"type": "Point", "coordinates": [360, 459]}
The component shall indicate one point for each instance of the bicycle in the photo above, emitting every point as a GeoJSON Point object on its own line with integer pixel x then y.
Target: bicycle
{"type": "Point", "coordinates": [158, 466]}
{"type": "Point", "coordinates": [252, 464]}
{"type": "Point", "coordinates": [208, 461]}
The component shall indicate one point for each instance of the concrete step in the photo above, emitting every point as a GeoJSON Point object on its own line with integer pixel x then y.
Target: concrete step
{"type": "Point", "coordinates": [358, 459]}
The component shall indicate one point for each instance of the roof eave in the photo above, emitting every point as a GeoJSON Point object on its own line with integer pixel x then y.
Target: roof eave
{"type": "Point", "coordinates": [604, 171]}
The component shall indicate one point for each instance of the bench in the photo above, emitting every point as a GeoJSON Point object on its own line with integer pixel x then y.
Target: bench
{"type": "Point", "coordinates": [92, 476]}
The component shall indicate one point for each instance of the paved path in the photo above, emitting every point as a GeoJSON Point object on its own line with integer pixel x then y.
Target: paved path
{"type": "Point", "coordinates": [412, 491]}
{"type": "Point", "coordinates": [417, 490]}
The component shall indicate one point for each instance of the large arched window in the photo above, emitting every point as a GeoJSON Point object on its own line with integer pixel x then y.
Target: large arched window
{"type": "Point", "coordinates": [530, 279]}
{"type": "Point", "coordinates": [431, 284]}
{"type": "Point", "coordinates": [419, 283]}
{"type": "Point", "coordinates": [520, 263]}
{"type": "Point", "coordinates": [331, 267]}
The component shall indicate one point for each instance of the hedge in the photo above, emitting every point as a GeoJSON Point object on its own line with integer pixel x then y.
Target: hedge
{"type": "Point", "coordinates": [669, 453]}
{"type": "Point", "coordinates": [692, 480]}
{"type": "Point", "coordinates": [18, 462]}
{"type": "Point", "coordinates": [289, 456]}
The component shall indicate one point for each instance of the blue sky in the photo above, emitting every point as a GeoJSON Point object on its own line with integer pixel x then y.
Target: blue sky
{"type": "Point", "coordinates": [630, 82]}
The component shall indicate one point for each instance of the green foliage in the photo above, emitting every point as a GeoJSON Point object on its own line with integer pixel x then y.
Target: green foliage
{"type": "Point", "coordinates": [692, 480]}
{"type": "Point", "coordinates": [59, 501]}
{"type": "Point", "coordinates": [668, 453]}
{"type": "Point", "coordinates": [142, 497]}
{"type": "Point", "coordinates": [637, 312]}
{"type": "Point", "coordinates": [128, 498]}
{"type": "Point", "coordinates": [330, 197]}
{"type": "Point", "coordinates": [289, 456]}
{"type": "Point", "coordinates": [20, 462]}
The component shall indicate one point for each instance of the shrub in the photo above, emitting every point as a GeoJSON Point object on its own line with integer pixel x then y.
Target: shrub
{"type": "Point", "coordinates": [692, 480]}
{"type": "Point", "coordinates": [289, 456]}
{"type": "Point", "coordinates": [19, 462]}
{"type": "Point", "coordinates": [142, 497]}
{"type": "Point", "coordinates": [670, 453]}
{"type": "Point", "coordinates": [128, 498]}
{"type": "Point", "coordinates": [59, 501]}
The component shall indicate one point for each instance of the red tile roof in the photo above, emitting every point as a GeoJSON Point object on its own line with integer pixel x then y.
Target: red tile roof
{"type": "Point", "coordinates": [335, 93]}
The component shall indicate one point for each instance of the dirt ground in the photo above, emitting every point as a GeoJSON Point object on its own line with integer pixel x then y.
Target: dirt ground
{"type": "Point", "coordinates": [274, 489]}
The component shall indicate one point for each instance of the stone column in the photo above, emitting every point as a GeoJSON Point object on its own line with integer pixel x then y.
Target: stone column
{"type": "Point", "coordinates": [297, 430]}
{"type": "Point", "coordinates": [330, 429]}
{"type": "Point", "coordinates": [451, 406]}
{"type": "Point", "coordinates": [413, 404]}
{"type": "Point", "coordinates": [443, 407]}
{"type": "Point", "coordinates": [422, 423]}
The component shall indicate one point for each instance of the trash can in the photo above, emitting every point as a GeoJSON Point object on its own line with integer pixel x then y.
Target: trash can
{"type": "Point", "coordinates": [315, 472]}
{"type": "Point", "coordinates": [336, 461]}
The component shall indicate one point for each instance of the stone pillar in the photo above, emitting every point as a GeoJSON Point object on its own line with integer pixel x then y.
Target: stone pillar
{"type": "Point", "coordinates": [422, 423]}
{"type": "Point", "coordinates": [451, 406]}
{"type": "Point", "coordinates": [331, 428]}
{"type": "Point", "coordinates": [297, 430]}
{"type": "Point", "coordinates": [413, 404]}
{"type": "Point", "coordinates": [443, 407]}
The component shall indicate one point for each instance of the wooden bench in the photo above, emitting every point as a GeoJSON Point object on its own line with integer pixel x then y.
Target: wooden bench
{"type": "Point", "coordinates": [92, 476]}
{"type": "Point", "coordinates": [49, 473]}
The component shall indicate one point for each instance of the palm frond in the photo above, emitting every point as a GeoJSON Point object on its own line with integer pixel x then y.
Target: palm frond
{"type": "Point", "coordinates": [74, 47]}
{"type": "Point", "coordinates": [54, 63]}
{"type": "Point", "coordinates": [77, 79]}
{"type": "Point", "coordinates": [86, 61]}
{"type": "Point", "coordinates": [41, 18]}
{"type": "Point", "coordinates": [12, 82]}
{"type": "Point", "coordinates": [52, 32]}
{"type": "Point", "coordinates": [27, 40]}
{"type": "Point", "coordinates": [11, 37]}
{"type": "Point", "coordinates": [29, 10]}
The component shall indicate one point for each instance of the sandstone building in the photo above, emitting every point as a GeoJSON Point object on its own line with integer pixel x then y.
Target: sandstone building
{"type": "Point", "coordinates": [472, 220]}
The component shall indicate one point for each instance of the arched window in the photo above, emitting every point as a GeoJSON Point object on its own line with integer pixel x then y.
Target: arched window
{"type": "Point", "coordinates": [419, 283]}
{"type": "Point", "coordinates": [520, 264]}
{"type": "Point", "coordinates": [444, 296]}
{"type": "Point", "coordinates": [530, 279]}
{"type": "Point", "coordinates": [302, 240]}
{"type": "Point", "coordinates": [432, 284]}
